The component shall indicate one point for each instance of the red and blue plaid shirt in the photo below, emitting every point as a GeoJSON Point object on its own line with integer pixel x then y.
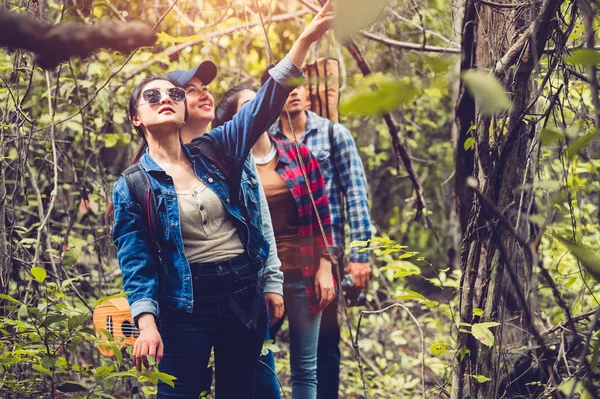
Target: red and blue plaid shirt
{"type": "Point", "coordinates": [312, 246]}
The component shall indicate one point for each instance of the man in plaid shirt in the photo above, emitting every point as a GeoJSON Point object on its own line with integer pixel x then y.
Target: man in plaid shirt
{"type": "Point", "coordinates": [346, 187]}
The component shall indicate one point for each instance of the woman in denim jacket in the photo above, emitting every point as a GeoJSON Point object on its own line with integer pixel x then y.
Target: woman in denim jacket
{"type": "Point", "coordinates": [209, 300]}
{"type": "Point", "coordinates": [305, 260]}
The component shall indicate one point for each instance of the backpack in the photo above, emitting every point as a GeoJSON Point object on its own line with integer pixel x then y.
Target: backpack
{"type": "Point", "coordinates": [324, 96]}
{"type": "Point", "coordinates": [323, 87]}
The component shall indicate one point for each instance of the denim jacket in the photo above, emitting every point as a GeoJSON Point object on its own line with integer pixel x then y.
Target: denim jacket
{"type": "Point", "coordinates": [147, 281]}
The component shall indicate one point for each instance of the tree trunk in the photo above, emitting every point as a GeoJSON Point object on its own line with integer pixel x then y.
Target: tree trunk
{"type": "Point", "coordinates": [500, 166]}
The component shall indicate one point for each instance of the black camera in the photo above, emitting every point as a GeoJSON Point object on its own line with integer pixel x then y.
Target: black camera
{"type": "Point", "coordinates": [353, 295]}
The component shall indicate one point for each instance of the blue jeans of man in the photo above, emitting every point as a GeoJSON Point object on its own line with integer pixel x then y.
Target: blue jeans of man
{"type": "Point", "coordinates": [189, 337]}
{"type": "Point", "coordinates": [328, 355]}
{"type": "Point", "coordinates": [304, 334]}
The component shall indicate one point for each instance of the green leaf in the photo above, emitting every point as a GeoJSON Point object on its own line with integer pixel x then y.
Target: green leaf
{"type": "Point", "coordinates": [463, 351]}
{"type": "Point", "coordinates": [586, 256]}
{"type": "Point", "coordinates": [481, 378]}
{"type": "Point", "coordinates": [23, 312]}
{"type": "Point", "coordinates": [269, 345]}
{"type": "Point", "coordinates": [549, 136]}
{"type": "Point", "coordinates": [111, 140]}
{"type": "Point", "coordinates": [439, 64]}
{"type": "Point", "coordinates": [357, 243]}
{"type": "Point", "coordinates": [584, 57]}
{"type": "Point", "coordinates": [120, 374]}
{"type": "Point", "coordinates": [56, 318]}
{"type": "Point", "coordinates": [68, 282]}
{"type": "Point", "coordinates": [9, 298]}
{"type": "Point", "coordinates": [39, 274]}
{"type": "Point", "coordinates": [41, 369]}
{"type": "Point", "coordinates": [582, 142]}
{"type": "Point", "coordinates": [354, 15]}
{"type": "Point", "coordinates": [402, 269]}
{"type": "Point", "coordinates": [470, 142]}
{"type": "Point", "coordinates": [438, 348]}
{"type": "Point", "coordinates": [477, 312]}
{"type": "Point", "coordinates": [103, 371]}
{"type": "Point", "coordinates": [482, 333]}
{"type": "Point", "coordinates": [409, 295]}
{"type": "Point", "coordinates": [155, 376]}
{"type": "Point", "coordinates": [488, 91]}
{"type": "Point", "coordinates": [389, 96]}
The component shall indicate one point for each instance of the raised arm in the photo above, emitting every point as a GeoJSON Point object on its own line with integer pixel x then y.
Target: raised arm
{"type": "Point", "coordinates": [237, 136]}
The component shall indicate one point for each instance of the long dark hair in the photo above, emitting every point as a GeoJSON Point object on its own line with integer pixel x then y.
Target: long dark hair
{"type": "Point", "coordinates": [228, 105]}
{"type": "Point", "coordinates": [132, 111]}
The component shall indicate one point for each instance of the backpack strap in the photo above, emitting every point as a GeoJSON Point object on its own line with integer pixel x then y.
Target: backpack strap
{"type": "Point", "coordinates": [212, 152]}
{"type": "Point", "coordinates": [141, 189]}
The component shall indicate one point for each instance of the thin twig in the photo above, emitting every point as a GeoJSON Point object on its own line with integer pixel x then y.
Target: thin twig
{"type": "Point", "coordinates": [54, 191]}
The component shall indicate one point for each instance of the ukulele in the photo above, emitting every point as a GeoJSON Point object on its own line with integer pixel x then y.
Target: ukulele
{"type": "Point", "coordinates": [114, 316]}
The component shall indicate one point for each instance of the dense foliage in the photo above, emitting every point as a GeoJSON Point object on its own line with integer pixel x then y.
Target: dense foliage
{"type": "Point", "coordinates": [485, 200]}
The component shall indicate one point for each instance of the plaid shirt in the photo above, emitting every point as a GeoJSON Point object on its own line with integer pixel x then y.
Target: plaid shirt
{"type": "Point", "coordinates": [351, 183]}
{"type": "Point", "coordinates": [312, 246]}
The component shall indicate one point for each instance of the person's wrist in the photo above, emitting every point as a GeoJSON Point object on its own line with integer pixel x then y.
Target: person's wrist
{"type": "Point", "coordinates": [146, 321]}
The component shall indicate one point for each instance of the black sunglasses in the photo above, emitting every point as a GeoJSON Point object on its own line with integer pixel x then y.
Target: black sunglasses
{"type": "Point", "coordinates": [153, 96]}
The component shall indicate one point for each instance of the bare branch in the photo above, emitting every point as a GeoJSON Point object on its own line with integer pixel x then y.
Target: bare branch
{"type": "Point", "coordinates": [513, 53]}
{"type": "Point", "coordinates": [394, 43]}
{"type": "Point", "coordinates": [508, 5]}
{"type": "Point", "coordinates": [180, 47]}
{"type": "Point", "coordinates": [409, 46]}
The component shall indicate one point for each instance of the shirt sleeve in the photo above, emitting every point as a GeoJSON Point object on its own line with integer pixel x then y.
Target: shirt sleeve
{"type": "Point", "coordinates": [271, 275]}
{"type": "Point", "coordinates": [135, 252]}
{"type": "Point", "coordinates": [236, 137]}
{"type": "Point", "coordinates": [355, 189]}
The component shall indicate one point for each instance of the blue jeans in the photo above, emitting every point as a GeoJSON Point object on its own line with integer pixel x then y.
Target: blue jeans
{"type": "Point", "coordinates": [267, 385]}
{"type": "Point", "coordinates": [304, 334]}
{"type": "Point", "coordinates": [329, 356]}
{"type": "Point", "coordinates": [189, 337]}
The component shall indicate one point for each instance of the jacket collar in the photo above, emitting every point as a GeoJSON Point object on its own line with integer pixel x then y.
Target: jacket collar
{"type": "Point", "coordinates": [312, 125]}
{"type": "Point", "coordinates": [281, 151]}
{"type": "Point", "coordinates": [150, 165]}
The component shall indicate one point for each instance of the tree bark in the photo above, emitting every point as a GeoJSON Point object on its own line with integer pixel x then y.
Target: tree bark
{"type": "Point", "coordinates": [500, 165]}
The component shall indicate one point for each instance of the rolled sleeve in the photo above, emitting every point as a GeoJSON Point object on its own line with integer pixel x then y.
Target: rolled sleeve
{"type": "Point", "coordinates": [145, 305]}
{"type": "Point", "coordinates": [237, 136]}
{"type": "Point", "coordinates": [286, 70]}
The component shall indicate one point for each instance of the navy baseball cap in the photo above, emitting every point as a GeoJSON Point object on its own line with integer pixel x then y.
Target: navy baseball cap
{"type": "Point", "coordinates": [205, 71]}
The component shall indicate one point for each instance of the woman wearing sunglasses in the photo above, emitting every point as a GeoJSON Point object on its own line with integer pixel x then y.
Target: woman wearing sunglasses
{"type": "Point", "coordinates": [305, 262]}
{"type": "Point", "coordinates": [202, 292]}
